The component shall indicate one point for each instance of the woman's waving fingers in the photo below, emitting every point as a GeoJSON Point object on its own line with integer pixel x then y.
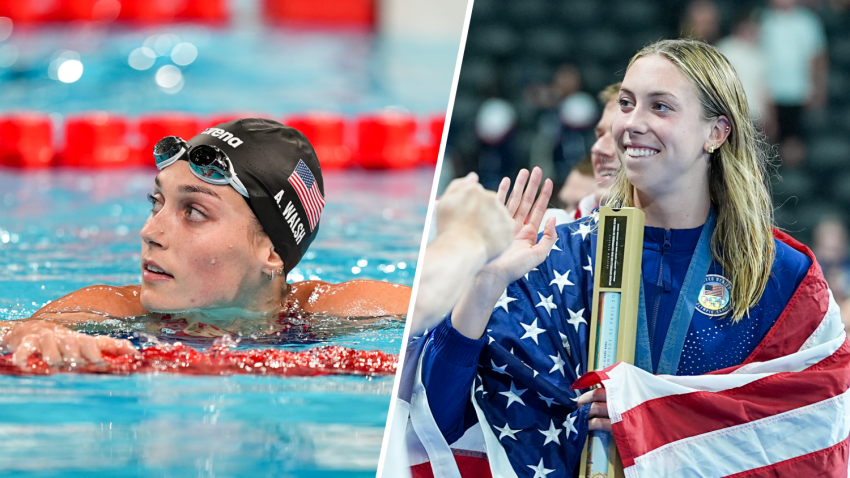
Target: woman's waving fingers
{"type": "Point", "coordinates": [525, 205]}
{"type": "Point", "coordinates": [515, 199]}
{"type": "Point", "coordinates": [539, 209]}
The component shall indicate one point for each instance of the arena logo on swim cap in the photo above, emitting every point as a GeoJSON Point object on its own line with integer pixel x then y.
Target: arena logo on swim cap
{"type": "Point", "coordinates": [223, 135]}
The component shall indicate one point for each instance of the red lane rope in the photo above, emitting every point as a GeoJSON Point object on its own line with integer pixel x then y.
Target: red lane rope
{"type": "Point", "coordinates": [223, 360]}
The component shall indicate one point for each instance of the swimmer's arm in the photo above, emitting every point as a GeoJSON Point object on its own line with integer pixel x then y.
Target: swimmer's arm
{"type": "Point", "coordinates": [357, 298]}
{"type": "Point", "coordinates": [94, 303]}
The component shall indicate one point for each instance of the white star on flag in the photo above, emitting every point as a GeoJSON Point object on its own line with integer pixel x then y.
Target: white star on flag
{"type": "Point", "coordinates": [551, 434]}
{"type": "Point", "coordinates": [554, 248]}
{"type": "Point", "coordinates": [506, 431]}
{"type": "Point", "coordinates": [501, 369]}
{"type": "Point", "coordinates": [561, 280]}
{"type": "Point", "coordinates": [532, 331]}
{"type": "Point", "coordinates": [513, 395]}
{"type": "Point", "coordinates": [595, 215]}
{"type": "Point", "coordinates": [584, 230]}
{"type": "Point", "coordinates": [565, 342]}
{"type": "Point", "coordinates": [504, 300]}
{"type": "Point", "coordinates": [578, 367]}
{"type": "Point", "coordinates": [576, 318]}
{"type": "Point", "coordinates": [569, 425]}
{"type": "Point", "coordinates": [481, 386]}
{"type": "Point", "coordinates": [540, 471]}
{"type": "Point", "coordinates": [532, 270]}
{"type": "Point", "coordinates": [559, 363]}
{"type": "Point", "coordinates": [549, 401]}
{"type": "Point", "coordinates": [548, 304]}
{"type": "Point", "coordinates": [589, 266]}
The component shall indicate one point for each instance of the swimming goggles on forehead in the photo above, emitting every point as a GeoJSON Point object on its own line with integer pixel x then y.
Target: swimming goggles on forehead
{"type": "Point", "coordinates": [207, 162]}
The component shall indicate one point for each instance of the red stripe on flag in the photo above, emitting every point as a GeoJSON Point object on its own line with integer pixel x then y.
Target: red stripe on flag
{"type": "Point", "coordinates": [590, 379]}
{"type": "Point", "coordinates": [691, 414]}
{"type": "Point", "coordinates": [829, 462]}
{"type": "Point", "coordinates": [310, 199]}
{"type": "Point", "coordinates": [802, 314]}
{"type": "Point", "coordinates": [300, 190]}
{"type": "Point", "coordinates": [469, 467]}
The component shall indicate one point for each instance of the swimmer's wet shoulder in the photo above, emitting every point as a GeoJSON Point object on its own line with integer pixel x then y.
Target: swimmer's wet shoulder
{"type": "Point", "coordinates": [357, 298]}
{"type": "Point", "coordinates": [94, 303]}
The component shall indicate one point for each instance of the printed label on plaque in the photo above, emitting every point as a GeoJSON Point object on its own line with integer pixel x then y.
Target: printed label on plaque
{"type": "Point", "coordinates": [613, 248]}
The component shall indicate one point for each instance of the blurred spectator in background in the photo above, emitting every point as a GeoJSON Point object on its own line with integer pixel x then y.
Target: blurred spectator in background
{"type": "Point", "coordinates": [603, 159]}
{"type": "Point", "coordinates": [567, 80]}
{"type": "Point", "coordinates": [702, 21]}
{"type": "Point", "coordinates": [580, 183]}
{"type": "Point", "coordinates": [564, 125]}
{"type": "Point", "coordinates": [794, 45]}
{"type": "Point", "coordinates": [743, 50]}
{"type": "Point", "coordinates": [830, 247]}
{"type": "Point", "coordinates": [494, 128]}
{"type": "Point", "coordinates": [577, 114]}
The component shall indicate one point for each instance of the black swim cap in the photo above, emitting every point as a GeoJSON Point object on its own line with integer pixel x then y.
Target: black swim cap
{"type": "Point", "coordinates": [279, 168]}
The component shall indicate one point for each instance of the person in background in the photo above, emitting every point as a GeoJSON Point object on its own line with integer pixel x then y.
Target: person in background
{"type": "Point", "coordinates": [794, 45]}
{"type": "Point", "coordinates": [743, 50]}
{"type": "Point", "coordinates": [580, 182]}
{"type": "Point", "coordinates": [603, 158]}
{"type": "Point", "coordinates": [495, 124]}
{"type": "Point", "coordinates": [702, 21]}
{"type": "Point", "coordinates": [830, 246]}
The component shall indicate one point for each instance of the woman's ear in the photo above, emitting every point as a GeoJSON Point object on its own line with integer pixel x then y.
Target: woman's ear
{"type": "Point", "coordinates": [720, 130]}
{"type": "Point", "coordinates": [273, 259]}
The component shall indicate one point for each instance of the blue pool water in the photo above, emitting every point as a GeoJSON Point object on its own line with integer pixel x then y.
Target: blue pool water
{"type": "Point", "coordinates": [63, 230]}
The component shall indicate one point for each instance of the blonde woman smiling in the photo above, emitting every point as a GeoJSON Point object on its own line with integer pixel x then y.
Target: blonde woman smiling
{"type": "Point", "coordinates": [716, 276]}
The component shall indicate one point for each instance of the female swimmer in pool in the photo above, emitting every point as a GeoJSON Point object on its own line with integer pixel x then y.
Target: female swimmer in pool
{"type": "Point", "coordinates": [233, 211]}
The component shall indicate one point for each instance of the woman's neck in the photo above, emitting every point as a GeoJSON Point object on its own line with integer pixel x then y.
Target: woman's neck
{"type": "Point", "coordinates": [267, 304]}
{"type": "Point", "coordinates": [684, 209]}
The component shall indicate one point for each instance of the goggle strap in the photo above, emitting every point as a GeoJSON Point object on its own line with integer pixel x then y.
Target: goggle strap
{"type": "Point", "coordinates": [238, 186]}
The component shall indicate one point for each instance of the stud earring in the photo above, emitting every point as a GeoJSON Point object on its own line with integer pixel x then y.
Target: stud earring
{"type": "Point", "coordinates": [278, 271]}
{"type": "Point", "coordinates": [710, 149]}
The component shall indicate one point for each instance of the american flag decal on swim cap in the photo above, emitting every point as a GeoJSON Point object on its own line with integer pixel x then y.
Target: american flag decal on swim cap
{"type": "Point", "coordinates": [308, 191]}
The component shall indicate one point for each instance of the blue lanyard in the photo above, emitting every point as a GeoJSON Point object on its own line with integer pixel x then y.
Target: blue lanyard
{"type": "Point", "coordinates": [668, 364]}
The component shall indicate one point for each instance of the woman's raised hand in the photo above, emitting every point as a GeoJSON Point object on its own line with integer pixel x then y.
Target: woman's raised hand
{"type": "Point", "coordinates": [60, 346]}
{"type": "Point", "coordinates": [525, 253]}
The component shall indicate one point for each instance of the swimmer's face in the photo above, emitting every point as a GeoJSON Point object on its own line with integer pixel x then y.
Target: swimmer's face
{"type": "Point", "coordinates": [661, 138]}
{"type": "Point", "coordinates": [197, 253]}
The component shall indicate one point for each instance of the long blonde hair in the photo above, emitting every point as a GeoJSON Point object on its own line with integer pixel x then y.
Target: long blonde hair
{"type": "Point", "coordinates": [737, 174]}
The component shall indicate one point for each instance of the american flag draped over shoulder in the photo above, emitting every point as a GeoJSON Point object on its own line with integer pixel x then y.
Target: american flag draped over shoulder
{"type": "Point", "coordinates": [538, 342]}
{"type": "Point", "coordinates": [785, 412]}
{"type": "Point", "coordinates": [305, 185]}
